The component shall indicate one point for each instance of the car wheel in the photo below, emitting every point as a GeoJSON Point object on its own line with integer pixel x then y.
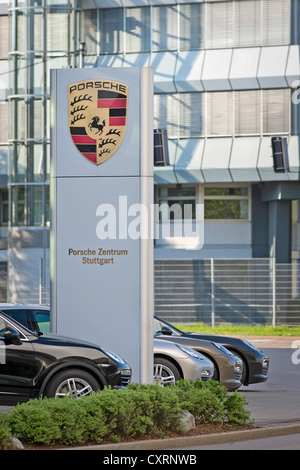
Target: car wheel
{"type": "Point", "coordinates": [73, 383]}
{"type": "Point", "coordinates": [165, 372]}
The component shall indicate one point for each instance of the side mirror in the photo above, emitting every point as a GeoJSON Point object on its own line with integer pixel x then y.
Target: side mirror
{"type": "Point", "coordinates": [166, 331]}
{"type": "Point", "coordinates": [12, 336]}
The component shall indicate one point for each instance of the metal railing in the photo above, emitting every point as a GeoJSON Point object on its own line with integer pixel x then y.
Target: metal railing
{"type": "Point", "coordinates": [215, 291]}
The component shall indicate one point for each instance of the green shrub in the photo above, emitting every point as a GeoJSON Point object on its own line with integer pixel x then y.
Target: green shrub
{"type": "Point", "coordinates": [235, 411]}
{"type": "Point", "coordinates": [4, 433]}
{"type": "Point", "coordinates": [115, 415]}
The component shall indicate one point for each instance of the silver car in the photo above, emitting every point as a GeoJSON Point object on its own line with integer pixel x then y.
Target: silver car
{"type": "Point", "coordinates": [174, 361]}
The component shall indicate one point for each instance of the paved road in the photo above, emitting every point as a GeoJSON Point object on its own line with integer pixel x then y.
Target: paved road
{"type": "Point", "coordinates": [278, 399]}
{"type": "Point", "coordinates": [289, 442]}
{"type": "Point", "coordinates": [275, 402]}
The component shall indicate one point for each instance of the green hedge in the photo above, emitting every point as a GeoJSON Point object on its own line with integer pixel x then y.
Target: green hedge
{"type": "Point", "coordinates": [117, 415]}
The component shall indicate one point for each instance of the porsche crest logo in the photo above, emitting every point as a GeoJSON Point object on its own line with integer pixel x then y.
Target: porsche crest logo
{"type": "Point", "coordinates": [97, 117]}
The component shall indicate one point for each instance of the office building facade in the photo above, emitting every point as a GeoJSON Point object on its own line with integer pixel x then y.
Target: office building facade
{"type": "Point", "coordinates": [226, 80]}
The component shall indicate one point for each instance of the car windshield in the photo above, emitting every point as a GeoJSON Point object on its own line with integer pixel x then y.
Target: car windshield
{"type": "Point", "coordinates": [158, 326]}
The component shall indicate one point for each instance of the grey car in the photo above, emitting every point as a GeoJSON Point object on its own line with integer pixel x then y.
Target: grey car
{"type": "Point", "coordinates": [228, 367]}
{"type": "Point", "coordinates": [173, 362]}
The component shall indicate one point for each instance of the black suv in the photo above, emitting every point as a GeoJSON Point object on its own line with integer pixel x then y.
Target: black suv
{"type": "Point", "coordinates": [34, 364]}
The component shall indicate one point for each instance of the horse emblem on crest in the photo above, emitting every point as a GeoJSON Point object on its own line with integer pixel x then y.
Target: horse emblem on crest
{"type": "Point", "coordinates": [97, 117]}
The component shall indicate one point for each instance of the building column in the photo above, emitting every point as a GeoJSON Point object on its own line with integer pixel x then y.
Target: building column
{"type": "Point", "coordinates": [280, 230]}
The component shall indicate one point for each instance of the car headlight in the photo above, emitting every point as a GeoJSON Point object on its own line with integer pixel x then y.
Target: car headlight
{"type": "Point", "coordinates": [189, 352]}
{"type": "Point", "coordinates": [113, 356]}
{"type": "Point", "coordinates": [222, 348]}
{"type": "Point", "coordinates": [250, 345]}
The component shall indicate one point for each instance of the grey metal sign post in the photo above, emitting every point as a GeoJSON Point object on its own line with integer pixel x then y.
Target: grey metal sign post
{"type": "Point", "coordinates": [101, 197]}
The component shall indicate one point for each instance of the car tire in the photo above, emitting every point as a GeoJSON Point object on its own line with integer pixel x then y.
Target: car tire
{"type": "Point", "coordinates": [74, 383]}
{"type": "Point", "coordinates": [165, 372]}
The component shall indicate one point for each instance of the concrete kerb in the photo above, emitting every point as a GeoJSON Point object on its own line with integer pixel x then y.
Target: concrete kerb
{"type": "Point", "coordinates": [207, 439]}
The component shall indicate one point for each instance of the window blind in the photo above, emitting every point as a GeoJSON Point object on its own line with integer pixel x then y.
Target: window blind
{"type": "Point", "coordinates": [138, 29]}
{"type": "Point", "coordinates": [253, 112]}
{"type": "Point", "coordinates": [89, 30]}
{"type": "Point", "coordinates": [111, 31]}
{"type": "Point", "coordinates": [166, 113]}
{"type": "Point", "coordinates": [38, 119]}
{"type": "Point", "coordinates": [21, 120]}
{"type": "Point", "coordinates": [4, 37]}
{"type": "Point", "coordinates": [276, 111]}
{"type": "Point", "coordinates": [57, 31]}
{"type": "Point", "coordinates": [219, 114]}
{"type": "Point", "coordinates": [191, 112]}
{"type": "Point", "coordinates": [276, 22]}
{"type": "Point", "coordinates": [191, 26]}
{"type": "Point", "coordinates": [165, 28]}
{"type": "Point", "coordinates": [4, 122]}
{"type": "Point", "coordinates": [247, 112]}
{"type": "Point", "coordinates": [20, 32]}
{"type": "Point", "coordinates": [219, 25]}
{"type": "Point", "coordinates": [247, 23]}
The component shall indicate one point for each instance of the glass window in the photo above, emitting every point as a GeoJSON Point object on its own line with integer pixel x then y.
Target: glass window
{"type": "Point", "coordinates": [38, 30]}
{"type": "Point", "coordinates": [253, 112]}
{"type": "Point", "coordinates": [219, 117]}
{"type": "Point", "coordinates": [4, 37]}
{"type": "Point", "coordinates": [191, 26]}
{"type": "Point", "coordinates": [4, 122]}
{"type": "Point", "coordinates": [276, 111]}
{"type": "Point", "coordinates": [219, 25]}
{"type": "Point", "coordinates": [42, 319]}
{"type": "Point", "coordinates": [226, 191]}
{"type": "Point", "coordinates": [18, 205]}
{"type": "Point", "coordinates": [228, 203]}
{"type": "Point", "coordinates": [38, 162]}
{"type": "Point", "coordinates": [164, 28]}
{"type": "Point", "coordinates": [111, 31]}
{"type": "Point", "coordinates": [18, 315]}
{"type": "Point", "coordinates": [177, 203]}
{"type": "Point", "coordinates": [276, 22]}
{"type": "Point", "coordinates": [225, 209]}
{"type": "Point", "coordinates": [38, 205]}
{"type": "Point", "coordinates": [138, 29]}
{"type": "Point", "coordinates": [4, 208]}
{"type": "Point", "coordinates": [89, 30]}
{"type": "Point", "coordinates": [247, 23]}
{"type": "Point", "coordinates": [57, 30]}
{"type": "Point", "coordinates": [2, 327]}
{"type": "Point", "coordinates": [191, 112]}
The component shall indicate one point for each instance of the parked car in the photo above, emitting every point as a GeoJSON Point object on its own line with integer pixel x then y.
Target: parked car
{"type": "Point", "coordinates": [34, 364]}
{"type": "Point", "coordinates": [255, 361]}
{"type": "Point", "coordinates": [173, 362]}
{"type": "Point", "coordinates": [228, 368]}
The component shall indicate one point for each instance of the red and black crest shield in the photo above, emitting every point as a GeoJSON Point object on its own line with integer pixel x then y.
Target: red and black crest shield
{"type": "Point", "coordinates": [97, 117]}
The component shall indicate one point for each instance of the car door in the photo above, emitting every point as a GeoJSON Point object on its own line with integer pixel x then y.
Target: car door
{"type": "Point", "coordinates": [16, 366]}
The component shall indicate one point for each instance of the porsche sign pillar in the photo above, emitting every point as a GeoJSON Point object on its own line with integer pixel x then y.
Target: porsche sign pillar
{"type": "Point", "coordinates": [101, 200]}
